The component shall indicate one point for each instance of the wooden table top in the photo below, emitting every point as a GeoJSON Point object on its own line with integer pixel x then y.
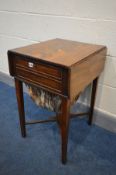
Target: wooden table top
{"type": "Point", "coordinates": [59, 51]}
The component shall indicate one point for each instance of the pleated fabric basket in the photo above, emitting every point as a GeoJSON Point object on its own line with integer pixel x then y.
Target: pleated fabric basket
{"type": "Point", "coordinates": [44, 98]}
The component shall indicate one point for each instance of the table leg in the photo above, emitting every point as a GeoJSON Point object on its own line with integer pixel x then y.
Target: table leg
{"type": "Point", "coordinates": [93, 95]}
{"type": "Point", "coordinates": [20, 101]}
{"type": "Point", "coordinates": [64, 127]}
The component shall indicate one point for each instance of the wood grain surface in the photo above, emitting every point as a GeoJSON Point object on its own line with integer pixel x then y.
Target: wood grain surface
{"type": "Point", "coordinates": [59, 51]}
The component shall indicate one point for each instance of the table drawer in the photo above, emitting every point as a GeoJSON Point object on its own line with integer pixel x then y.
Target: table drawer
{"type": "Point", "coordinates": [37, 78]}
{"type": "Point", "coordinates": [42, 68]}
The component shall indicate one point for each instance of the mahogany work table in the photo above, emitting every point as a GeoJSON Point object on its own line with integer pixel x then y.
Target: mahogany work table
{"type": "Point", "coordinates": [62, 67]}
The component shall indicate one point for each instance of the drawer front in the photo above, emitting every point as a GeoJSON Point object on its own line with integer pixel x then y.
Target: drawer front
{"type": "Point", "coordinates": [47, 76]}
{"type": "Point", "coordinates": [41, 68]}
{"type": "Point", "coordinates": [38, 79]}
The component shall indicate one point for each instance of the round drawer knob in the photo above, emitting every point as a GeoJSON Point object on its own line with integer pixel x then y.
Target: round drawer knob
{"type": "Point", "coordinates": [30, 64]}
